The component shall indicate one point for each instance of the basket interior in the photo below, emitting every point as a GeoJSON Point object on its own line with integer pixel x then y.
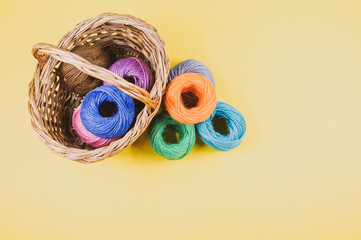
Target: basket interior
{"type": "Point", "coordinates": [58, 105]}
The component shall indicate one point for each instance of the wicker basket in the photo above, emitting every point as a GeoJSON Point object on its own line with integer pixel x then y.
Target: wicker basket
{"type": "Point", "coordinates": [51, 105]}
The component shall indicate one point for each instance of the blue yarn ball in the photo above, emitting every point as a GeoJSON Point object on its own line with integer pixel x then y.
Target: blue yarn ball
{"type": "Point", "coordinates": [118, 122]}
{"type": "Point", "coordinates": [190, 65]}
{"type": "Point", "coordinates": [236, 125]}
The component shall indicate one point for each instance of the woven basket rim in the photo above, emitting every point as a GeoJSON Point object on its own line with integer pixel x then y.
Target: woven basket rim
{"type": "Point", "coordinates": [49, 56]}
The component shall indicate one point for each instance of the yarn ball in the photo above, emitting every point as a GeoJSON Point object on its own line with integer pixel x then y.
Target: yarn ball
{"type": "Point", "coordinates": [85, 135]}
{"type": "Point", "coordinates": [191, 65]}
{"type": "Point", "coordinates": [226, 140]}
{"type": "Point", "coordinates": [190, 98]}
{"type": "Point", "coordinates": [133, 70]}
{"type": "Point", "coordinates": [171, 150]}
{"type": "Point", "coordinates": [107, 112]}
{"type": "Point", "coordinates": [77, 81]}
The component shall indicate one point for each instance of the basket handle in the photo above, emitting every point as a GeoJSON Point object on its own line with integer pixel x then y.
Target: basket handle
{"type": "Point", "coordinates": [42, 50]}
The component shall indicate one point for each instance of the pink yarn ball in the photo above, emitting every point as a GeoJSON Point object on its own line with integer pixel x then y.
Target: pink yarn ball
{"type": "Point", "coordinates": [85, 135]}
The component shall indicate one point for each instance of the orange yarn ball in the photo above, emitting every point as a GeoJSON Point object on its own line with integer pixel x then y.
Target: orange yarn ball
{"type": "Point", "coordinates": [190, 98]}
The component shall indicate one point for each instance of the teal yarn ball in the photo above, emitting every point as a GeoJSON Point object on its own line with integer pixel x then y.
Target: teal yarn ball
{"type": "Point", "coordinates": [172, 150]}
{"type": "Point", "coordinates": [228, 139]}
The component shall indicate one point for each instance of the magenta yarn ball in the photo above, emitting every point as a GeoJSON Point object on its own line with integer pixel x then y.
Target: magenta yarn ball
{"type": "Point", "coordinates": [85, 135]}
{"type": "Point", "coordinates": [133, 70]}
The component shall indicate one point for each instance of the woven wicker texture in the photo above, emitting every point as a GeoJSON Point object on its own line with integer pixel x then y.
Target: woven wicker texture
{"type": "Point", "coordinates": [51, 104]}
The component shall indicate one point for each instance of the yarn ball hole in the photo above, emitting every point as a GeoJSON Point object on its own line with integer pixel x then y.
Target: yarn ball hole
{"type": "Point", "coordinates": [189, 99]}
{"type": "Point", "coordinates": [220, 125]}
{"type": "Point", "coordinates": [108, 109]}
{"type": "Point", "coordinates": [130, 79]}
{"type": "Point", "coordinates": [171, 136]}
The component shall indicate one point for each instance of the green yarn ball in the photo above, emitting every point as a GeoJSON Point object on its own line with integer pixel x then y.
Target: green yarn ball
{"type": "Point", "coordinates": [161, 142]}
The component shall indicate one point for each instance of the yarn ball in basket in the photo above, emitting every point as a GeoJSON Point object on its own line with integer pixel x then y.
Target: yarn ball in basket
{"type": "Point", "coordinates": [190, 98]}
{"type": "Point", "coordinates": [133, 70]}
{"type": "Point", "coordinates": [168, 148]}
{"type": "Point", "coordinates": [84, 134]}
{"type": "Point", "coordinates": [226, 140]}
{"type": "Point", "coordinates": [76, 80]}
{"type": "Point", "coordinates": [107, 112]}
{"type": "Point", "coordinates": [191, 65]}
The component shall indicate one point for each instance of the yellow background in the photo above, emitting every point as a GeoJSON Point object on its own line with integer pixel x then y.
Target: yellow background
{"type": "Point", "coordinates": [293, 68]}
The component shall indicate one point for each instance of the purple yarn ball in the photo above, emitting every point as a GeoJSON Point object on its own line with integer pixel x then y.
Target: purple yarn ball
{"type": "Point", "coordinates": [133, 70]}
